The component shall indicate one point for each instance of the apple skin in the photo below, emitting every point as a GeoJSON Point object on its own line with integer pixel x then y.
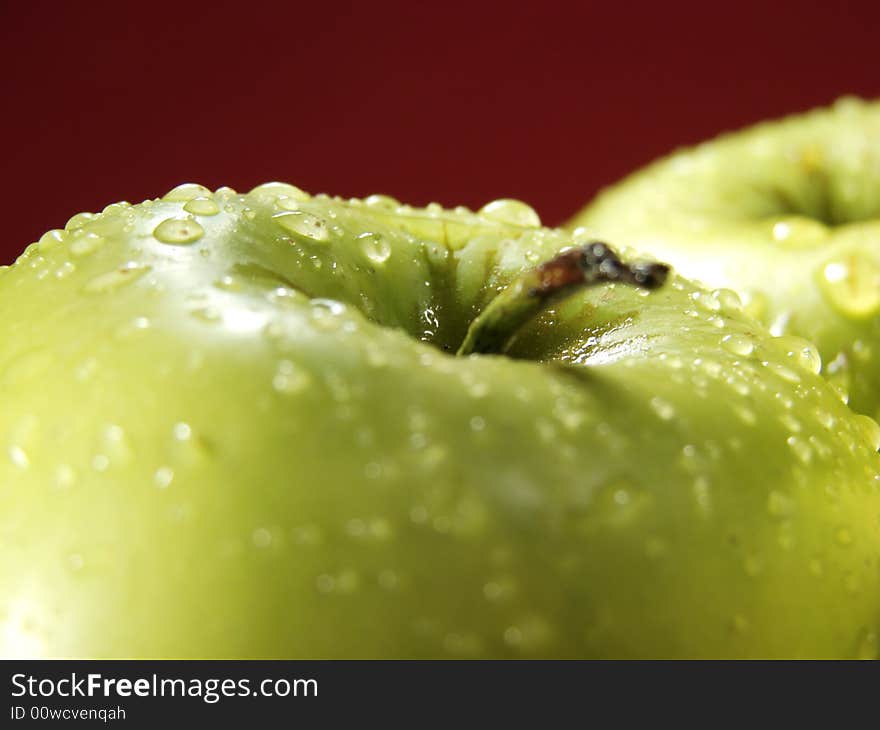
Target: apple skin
{"type": "Point", "coordinates": [786, 213]}
{"type": "Point", "coordinates": [235, 443]}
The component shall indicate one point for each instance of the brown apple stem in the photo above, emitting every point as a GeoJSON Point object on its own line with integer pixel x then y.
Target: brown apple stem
{"type": "Point", "coordinates": [594, 263]}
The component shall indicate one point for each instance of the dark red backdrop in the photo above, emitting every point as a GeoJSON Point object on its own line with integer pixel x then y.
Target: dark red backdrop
{"type": "Point", "coordinates": [454, 103]}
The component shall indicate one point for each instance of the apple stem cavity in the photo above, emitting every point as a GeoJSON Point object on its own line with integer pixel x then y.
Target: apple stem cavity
{"type": "Point", "coordinates": [595, 263]}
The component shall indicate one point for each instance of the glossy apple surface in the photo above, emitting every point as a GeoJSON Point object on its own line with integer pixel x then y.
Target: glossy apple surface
{"type": "Point", "coordinates": [235, 426]}
{"type": "Point", "coordinates": [787, 213]}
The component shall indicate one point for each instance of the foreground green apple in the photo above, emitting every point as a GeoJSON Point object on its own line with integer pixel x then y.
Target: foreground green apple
{"type": "Point", "coordinates": [237, 426]}
{"type": "Point", "coordinates": [786, 213]}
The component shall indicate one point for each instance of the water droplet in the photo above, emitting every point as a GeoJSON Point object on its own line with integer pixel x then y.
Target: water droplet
{"type": "Point", "coordinates": [185, 192]}
{"type": "Point", "coordinates": [784, 372]}
{"type": "Point", "coordinates": [801, 449]}
{"type": "Point", "coordinates": [289, 378]}
{"type": "Point", "coordinates": [116, 278]}
{"type": "Point", "coordinates": [531, 634]}
{"type": "Point", "coordinates": [868, 644]}
{"type": "Point", "coordinates": [65, 270]}
{"type": "Point", "coordinates": [261, 537]}
{"type": "Point", "coordinates": [843, 537]}
{"type": "Point", "coordinates": [728, 299]}
{"type": "Point", "coordinates": [302, 224]}
{"type": "Point", "coordinates": [702, 495]}
{"type": "Point", "coordinates": [663, 409]}
{"type": "Point", "coordinates": [163, 477]}
{"type": "Point", "coordinates": [209, 315]}
{"type": "Point", "coordinates": [869, 429]}
{"type": "Point", "coordinates": [22, 441]}
{"type": "Point", "coordinates": [745, 414]}
{"type": "Point", "coordinates": [382, 202]}
{"type": "Point", "coordinates": [85, 244]}
{"type": "Point", "coordinates": [113, 446]}
{"type": "Point", "coordinates": [740, 345]}
{"type": "Point", "coordinates": [798, 231]}
{"type": "Point", "coordinates": [178, 231]}
{"type": "Point", "coordinates": [65, 476]}
{"type": "Point", "coordinates": [514, 212]}
{"type": "Point", "coordinates": [78, 221]}
{"type": "Point", "coordinates": [374, 247]}
{"type": "Point", "coordinates": [852, 285]}
{"type": "Point", "coordinates": [51, 239]}
{"type": "Point", "coordinates": [801, 351]}
{"type": "Point", "coordinates": [477, 423]}
{"type": "Point", "coordinates": [202, 206]}
{"type": "Point", "coordinates": [753, 565]}
{"type": "Point", "coordinates": [780, 505]}
{"type": "Point", "coordinates": [286, 196]}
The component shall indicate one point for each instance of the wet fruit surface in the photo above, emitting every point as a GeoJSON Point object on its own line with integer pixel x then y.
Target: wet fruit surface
{"type": "Point", "coordinates": [788, 214]}
{"type": "Point", "coordinates": [236, 427]}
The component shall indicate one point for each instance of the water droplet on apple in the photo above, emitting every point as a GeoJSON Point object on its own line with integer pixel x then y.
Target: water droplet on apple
{"type": "Point", "coordinates": [178, 231]}
{"type": "Point", "coordinates": [86, 243]}
{"type": "Point", "coordinates": [163, 477]}
{"type": "Point", "coordinates": [375, 247]}
{"type": "Point", "coordinates": [22, 441]}
{"type": "Point", "coordinates": [65, 477]}
{"type": "Point", "coordinates": [662, 408]}
{"type": "Point", "coordinates": [382, 202]}
{"type": "Point", "coordinates": [869, 429]}
{"type": "Point", "coordinates": [185, 192]}
{"type": "Point", "coordinates": [202, 206]}
{"type": "Point", "coordinates": [50, 240]}
{"type": "Point", "coordinates": [852, 285]}
{"type": "Point", "coordinates": [290, 379]}
{"type": "Point", "coordinates": [284, 195]}
{"type": "Point", "coordinates": [514, 212]}
{"type": "Point", "coordinates": [304, 225]}
{"type": "Point", "coordinates": [780, 505]}
{"type": "Point", "coordinates": [801, 351]}
{"type": "Point", "coordinates": [261, 537]}
{"type": "Point", "coordinates": [115, 279]}
{"type": "Point", "coordinates": [113, 445]}
{"type": "Point", "coordinates": [868, 644]}
{"type": "Point", "coordinates": [784, 372]}
{"type": "Point", "coordinates": [728, 299]}
{"type": "Point", "coordinates": [740, 345]}
{"type": "Point", "coordinates": [65, 270]}
{"type": "Point", "coordinates": [531, 634]}
{"type": "Point", "coordinates": [78, 221]}
{"type": "Point", "coordinates": [798, 231]}
{"type": "Point", "coordinates": [745, 414]}
{"type": "Point", "coordinates": [501, 588]}
{"type": "Point", "coordinates": [800, 448]}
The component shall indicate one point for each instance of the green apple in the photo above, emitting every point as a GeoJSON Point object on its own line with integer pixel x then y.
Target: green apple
{"type": "Point", "coordinates": [277, 425]}
{"type": "Point", "coordinates": [786, 213]}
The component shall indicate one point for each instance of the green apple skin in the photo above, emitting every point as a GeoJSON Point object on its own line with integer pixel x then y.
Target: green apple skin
{"type": "Point", "coordinates": [233, 428]}
{"type": "Point", "coordinates": [786, 213]}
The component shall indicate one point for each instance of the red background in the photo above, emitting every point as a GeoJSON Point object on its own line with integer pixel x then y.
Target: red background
{"type": "Point", "coordinates": [458, 103]}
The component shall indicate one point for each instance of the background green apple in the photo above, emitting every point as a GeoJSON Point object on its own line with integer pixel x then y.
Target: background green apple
{"type": "Point", "coordinates": [234, 426]}
{"type": "Point", "coordinates": [787, 213]}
